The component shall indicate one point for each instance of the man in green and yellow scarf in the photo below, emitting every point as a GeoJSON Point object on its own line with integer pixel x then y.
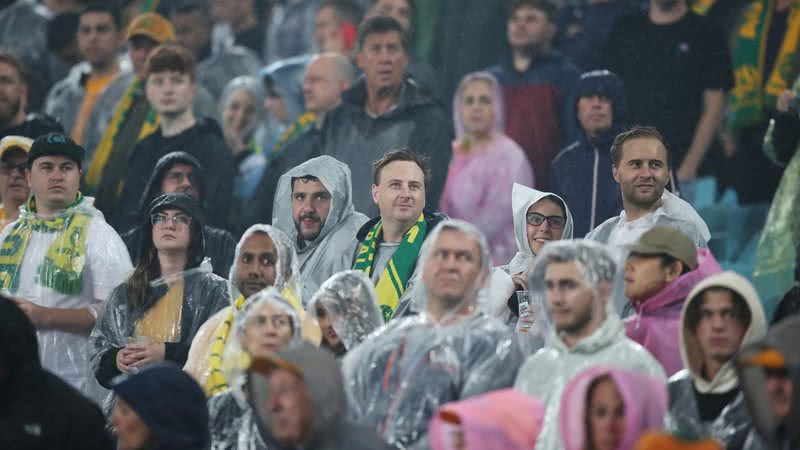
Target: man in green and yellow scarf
{"type": "Point", "coordinates": [389, 244]}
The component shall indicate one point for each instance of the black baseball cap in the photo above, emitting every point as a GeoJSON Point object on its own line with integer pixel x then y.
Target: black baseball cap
{"type": "Point", "coordinates": [56, 144]}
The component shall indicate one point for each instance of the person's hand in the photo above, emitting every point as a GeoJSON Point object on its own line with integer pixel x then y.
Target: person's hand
{"type": "Point", "coordinates": [686, 172]}
{"type": "Point", "coordinates": [125, 363]}
{"type": "Point", "coordinates": [37, 314]}
{"type": "Point", "coordinates": [520, 280]}
{"type": "Point", "coordinates": [526, 321]}
{"type": "Point", "coordinates": [147, 354]}
{"type": "Point", "coordinates": [784, 100]}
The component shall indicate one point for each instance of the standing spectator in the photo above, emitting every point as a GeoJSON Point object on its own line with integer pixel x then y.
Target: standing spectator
{"type": "Point", "coordinates": [386, 110]}
{"type": "Point", "coordinates": [576, 278]}
{"type": "Point", "coordinates": [581, 172]}
{"type": "Point", "coordinates": [336, 26]}
{"type": "Point", "coordinates": [63, 260]}
{"type": "Point", "coordinates": [62, 44]}
{"type": "Point", "coordinates": [538, 86]}
{"type": "Point", "coordinates": [171, 87]}
{"type": "Point", "coordinates": [73, 99]}
{"type": "Point", "coordinates": [14, 102]}
{"type": "Point", "coordinates": [248, 27]}
{"type": "Point", "coordinates": [485, 165]}
{"type": "Point", "coordinates": [215, 67]}
{"type": "Point", "coordinates": [451, 351]}
{"type": "Point", "coordinates": [640, 161]}
{"type": "Point", "coordinates": [14, 189]}
{"type": "Point", "coordinates": [23, 34]}
{"type": "Point", "coordinates": [291, 29]}
{"type": "Point", "coordinates": [35, 399]}
{"type": "Point", "coordinates": [676, 69]}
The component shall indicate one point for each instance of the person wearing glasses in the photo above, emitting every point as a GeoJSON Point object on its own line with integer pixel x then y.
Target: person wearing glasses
{"type": "Point", "coordinates": [14, 190]}
{"type": "Point", "coordinates": [154, 315]}
{"type": "Point", "coordinates": [182, 172]}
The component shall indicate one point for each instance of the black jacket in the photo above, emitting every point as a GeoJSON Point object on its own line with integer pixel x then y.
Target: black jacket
{"type": "Point", "coordinates": [35, 125]}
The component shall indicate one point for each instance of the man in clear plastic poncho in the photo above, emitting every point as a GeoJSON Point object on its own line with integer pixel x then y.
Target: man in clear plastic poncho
{"type": "Point", "coordinates": [264, 257]}
{"type": "Point", "coordinates": [722, 314]}
{"type": "Point", "coordinates": [60, 261]}
{"type": "Point", "coordinates": [346, 309]}
{"type": "Point", "coordinates": [314, 206]}
{"type": "Point", "coordinates": [451, 351]}
{"type": "Point", "coordinates": [576, 280]}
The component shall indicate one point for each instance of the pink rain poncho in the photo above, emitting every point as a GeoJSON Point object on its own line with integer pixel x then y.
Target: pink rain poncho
{"type": "Point", "coordinates": [479, 180]}
{"type": "Point", "coordinates": [644, 397]}
{"type": "Point", "coordinates": [506, 419]}
{"type": "Point", "coordinates": [657, 323]}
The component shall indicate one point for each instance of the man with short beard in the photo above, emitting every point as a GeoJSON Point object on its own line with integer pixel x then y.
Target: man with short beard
{"type": "Point", "coordinates": [314, 206]}
{"type": "Point", "coordinates": [14, 102]}
{"type": "Point", "coordinates": [576, 280]}
{"type": "Point", "coordinates": [640, 159]}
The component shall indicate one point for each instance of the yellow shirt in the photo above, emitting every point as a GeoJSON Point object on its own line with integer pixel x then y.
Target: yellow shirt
{"type": "Point", "coordinates": [93, 88]}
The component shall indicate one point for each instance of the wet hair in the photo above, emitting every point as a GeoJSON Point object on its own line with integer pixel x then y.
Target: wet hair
{"type": "Point", "coordinates": [740, 308]}
{"type": "Point", "coordinates": [109, 7]}
{"type": "Point", "coordinates": [380, 25]}
{"type": "Point", "coordinates": [346, 10]}
{"type": "Point", "coordinates": [10, 60]}
{"type": "Point", "coordinates": [306, 178]}
{"type": "Point", "coordinates": [170, 58]}
{"type": "Point", "coordinates": [545, 6]}
{"type": "Point", "coordinates": [635, 132]}
{"type": "Point", "coordinates": [401, 154]}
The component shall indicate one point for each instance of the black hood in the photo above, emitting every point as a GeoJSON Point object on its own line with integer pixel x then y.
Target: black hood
{"type": "Point", "coordinates": [166, 162]}
{"type": "Point", "coordinates": [608, 84]}
{"type": "Point", "coordinates": [188, 205]}
{"type": "Point", "coordinates": [20, 369]}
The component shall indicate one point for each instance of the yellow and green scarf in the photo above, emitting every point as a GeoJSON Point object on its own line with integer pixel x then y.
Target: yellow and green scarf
{"type": "Point", "coordinates": [303, 123]}
{"type": "Point", "coordinates": [62, 268]}
{"type": "Point", "coordinates": [394, 278]}
{"type": "Point", "coordinates": [750, 95]}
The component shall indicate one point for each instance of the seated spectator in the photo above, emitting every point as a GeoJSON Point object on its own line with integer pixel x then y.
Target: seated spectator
{"type": "Point", "coordinates": [336, 26]}
{"type": "Point", "coordinates": [538, 86]}
{"type": "Point", "coordinates": [485, 165]}
{"type": "Point", "coordinates": [181, 172]}
{"type": "Point", "coordinates": [14, 190]}
{"type": "Point", "coordinates": [154, 315]}
{"type": "Point", "coordinates": [663, 266]}
{"type": "Point", "coordinates": [505, 419]}
{"type": "Point", "coordinates": [36, 399]}
{"type": "Point", "coordinates": [283, 100]}
{"type": "Point", "coordinates": [314, 207]}
{"type": "Point", "coordinates": [640, 159]}
{"type": "Point", "coordinates": [346, 308]}
{"type": "Point", "coordinates": [73, 99]}
{"type": "Point", "coordinates": [451, 351]}
{"type": "Point", "coordinates": [604, 408]}
{"type": "Point", "coordinates": [170, 88]}
{"type": "Point", "coordinates": [581, 172]}
{"type": "Point", "coordinates": [769, 375]}
{"type": "Point", "coordinates": [160, 407]}
{"type": "Point", "coordinates": [14, 103]}
{"type": "Point", "coordinates": [385, 110]}
{"type": "Point", "coordinates": [721, 315]}
{"type": "Point", "coordinates": [576, 278]}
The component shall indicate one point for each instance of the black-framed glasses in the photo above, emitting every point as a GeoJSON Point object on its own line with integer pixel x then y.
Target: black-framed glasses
{"type": "Point", "coordinates": [8, 169]}
{"type": "Point", "coordinates": [178, 219]}
{"type": "Point", "coordinates": [536, 219]}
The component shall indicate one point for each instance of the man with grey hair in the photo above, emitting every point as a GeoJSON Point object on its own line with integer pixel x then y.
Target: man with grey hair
{"type": "Point", "coordinates": [452, 350]}
{"type": "Point", "coordinates": [576, 279]}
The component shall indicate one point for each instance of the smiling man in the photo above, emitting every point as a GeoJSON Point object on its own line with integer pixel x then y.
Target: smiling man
{"type": "Point", "coordinates": [61, 260]}
{"type": "Point", "coordinates": [640, 161]}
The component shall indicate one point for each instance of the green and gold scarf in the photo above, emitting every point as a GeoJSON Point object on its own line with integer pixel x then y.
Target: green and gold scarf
{"type": "Point", "coordinates": [62, 268]}
{"type": "Point", "coordinates": [394, 278]}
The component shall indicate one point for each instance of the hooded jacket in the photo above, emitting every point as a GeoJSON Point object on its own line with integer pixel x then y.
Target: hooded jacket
{"type": "Point", "coordinates": [356, 138]}
{"type": "Point", "coordinates": [218, 67]}
{"type": "Point", "coordinates": [332, 250]}
{"type": "Point", "coordinates": [504, 419]}
{"type": "Point", "coordinates": [219, 244]}
{"type": "Point", "coordinates": [581, 172]}
{"type": "Point", "coordinates": [204, 141]}
{"type": "Point", "coordinates": [733, 423]}
{"type": "Point", "coordinates": [411, 366]}
{"type": "Point", "coordinates": [657, 323]}
{"type": "Point", "coordinates": [37, 409]}
{"type": "Point", "coordinates": [286, 79]}
{"type": "Point", "coordinates": [640, 415]}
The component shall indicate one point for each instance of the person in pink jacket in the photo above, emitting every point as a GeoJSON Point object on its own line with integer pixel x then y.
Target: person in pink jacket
{"type": "Point", "coordinates": [504, 419]}
{"type": "Point", "coordinates": [605, 408]}
{"type": "Point", "coordinates": [662, 267]}
{"type": "Point", "coordinates": [485, 165]}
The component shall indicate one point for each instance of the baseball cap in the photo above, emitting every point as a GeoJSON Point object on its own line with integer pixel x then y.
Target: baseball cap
{"type": "Point", "coordinates": [152, 25]}
{"type": "Point", "coordinates": [9, 142]}
{"type": "Point", "coordinates": [56, 144]}
{"type": "Point", "coordinates": [663, 240]}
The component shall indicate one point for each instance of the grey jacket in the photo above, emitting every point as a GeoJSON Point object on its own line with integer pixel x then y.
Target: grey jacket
{"type": "Point", "coordinates": [65, 98]}
{"type": "Point", "coordinates": [332, 250]}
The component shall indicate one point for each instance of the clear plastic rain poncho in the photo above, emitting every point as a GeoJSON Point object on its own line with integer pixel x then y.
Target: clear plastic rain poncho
{"type": "Point", "coordinates": [734, 422]}
{"type": "Point", "coordinates": [402, 373]}
{"type": "Point", "coordinates": [332, 251]}
{"type": "Point", "coordinates": [349, 301]}
{"type": "Point", "coordinates": [546, 373]}
{"type": "Point", "coordinates": [231, 419]}
{"type": "Point", "coordinates": [72, 260]}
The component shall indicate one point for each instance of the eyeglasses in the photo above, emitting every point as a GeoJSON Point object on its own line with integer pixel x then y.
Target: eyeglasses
{"type": "Point", "coordinates": [8, 169]}
{"type": "Point", "coordinates": [161, 219]}
{"type": "Point", "coordinates": [536, 219]}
